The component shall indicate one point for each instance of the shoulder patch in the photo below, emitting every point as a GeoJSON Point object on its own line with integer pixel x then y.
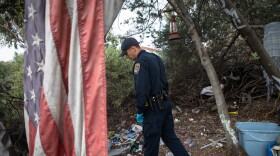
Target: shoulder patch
{"type": "Point", "coordinates": [136, 68]}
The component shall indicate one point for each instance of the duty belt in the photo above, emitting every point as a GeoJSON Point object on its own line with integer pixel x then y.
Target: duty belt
{"type": "Point", "coordinates": [158, 99]}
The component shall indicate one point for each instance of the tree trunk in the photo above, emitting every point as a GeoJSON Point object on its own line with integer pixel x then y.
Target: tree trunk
{"type": "Point", "coordinates": [250, 36]}
{"type": "Point", "coordinates": [233, 146]}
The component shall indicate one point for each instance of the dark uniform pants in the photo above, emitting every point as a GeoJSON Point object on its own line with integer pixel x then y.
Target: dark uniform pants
{"type": "Point", "coordinates": [159, 123]}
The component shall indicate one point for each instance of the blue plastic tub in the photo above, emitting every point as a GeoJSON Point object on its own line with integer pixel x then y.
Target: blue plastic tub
{"type": "Point", "coordinates": [254, 137]}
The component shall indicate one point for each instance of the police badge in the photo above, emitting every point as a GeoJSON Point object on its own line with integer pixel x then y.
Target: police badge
{"type": "Point", "coordinates": [136, 68]}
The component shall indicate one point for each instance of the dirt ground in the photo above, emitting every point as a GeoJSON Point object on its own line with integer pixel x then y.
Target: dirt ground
{"type": "Point", "coordinates": [198, 125]}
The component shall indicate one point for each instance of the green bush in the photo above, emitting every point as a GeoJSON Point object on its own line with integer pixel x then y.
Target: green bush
{"type": "Point", "coordinates": [119, 77]}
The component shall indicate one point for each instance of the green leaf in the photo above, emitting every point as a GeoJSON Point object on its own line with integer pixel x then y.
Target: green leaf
{"type": "Point", "coordinates": [255, 56]}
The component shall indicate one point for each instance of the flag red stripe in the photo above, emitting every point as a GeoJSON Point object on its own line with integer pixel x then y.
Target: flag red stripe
{"type": "Point", "coordinates": [49, 133]}
{"type": "Point", "coordinates": [68, 133]}
{"type": "Point", "coordinates": [32, 135]}
{"type": "Point", "coordinates": [91, 32]}
{"type": "Point", "coordinates": [61, 31]}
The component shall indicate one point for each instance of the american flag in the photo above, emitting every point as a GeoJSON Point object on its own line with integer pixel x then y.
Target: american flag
{"type": "Point", "coordinates": [64, 78]}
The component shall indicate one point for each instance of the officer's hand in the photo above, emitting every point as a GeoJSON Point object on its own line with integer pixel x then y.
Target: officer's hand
{"type": "Point", "coordinates": [139, 118]}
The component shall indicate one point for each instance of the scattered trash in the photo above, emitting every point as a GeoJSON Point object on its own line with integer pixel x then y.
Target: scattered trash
{"type": "Point", "coordinates": [176, 120]}
{"type": "Point", "coordinates": [111, 133]}
{"type": "Point", "coordinates": [140, 148]}
{"type": "Point", "coordinates": [209, 91]}
{"type": "Point", "coordinates": [127, 139]}
{"type": "Point", "coordinates": [190, 119]}
{"type": "Point", "coordinates": [136, 147]}
{"type": "Point", "coordinates": [118, 151]}
{"type": "Point", "coordinates": [179, 109]}
{"type": "Point", "coordinates": [190, 142]}
{"type": "Point", "coordinates": [206, 132]}
{"type": "Point", "coordinates": [195, 110]}
{"type": "Point", "coordinates": [202, 121]}
{"type": "Point", "coordinates": [233, 113]}
{"type": "Point", "coordinates": [233, 108]}
{"type": "Point", "coordinates": [161, 143]}
{"type": "Point", "coordinates": [182, 133]}
{"type": "Point", "coordinates": [136, 128]}
{"type": "Point", "coordinates": [174, 112]}
{"type": "Point", "coordinates": [123, 123]}
{"type": "Point", "coordinates": [169, 154]}
{"type": "Point", "coordinates": [219, 145]}
{"type": "Point", "coordinates": [194, 122]}
{"type": "Point", "coordinates": [109, 145]}
{"type": "Point", "coordinates": [214, 143]}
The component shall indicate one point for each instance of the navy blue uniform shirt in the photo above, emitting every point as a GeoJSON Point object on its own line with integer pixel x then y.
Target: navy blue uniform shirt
{"type": "Point", "coordinates": [149, 78]}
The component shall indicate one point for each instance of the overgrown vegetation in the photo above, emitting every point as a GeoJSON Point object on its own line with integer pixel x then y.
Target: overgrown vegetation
{"type": "Point", "coordinates": [11, 22]}
{"type": "Point", "coordinates": [119, 77]}
{"type": "Point", "coordinates": [11, 102]}
{"type": "Point", "coordinates": [186, 75]}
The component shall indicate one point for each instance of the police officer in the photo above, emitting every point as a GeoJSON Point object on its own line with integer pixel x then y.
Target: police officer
{"type": "Point", "coordinates": [153, 108]}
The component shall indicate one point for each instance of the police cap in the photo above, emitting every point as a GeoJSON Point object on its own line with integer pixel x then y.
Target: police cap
{"type": "Point", "coordinates": [127, 43]}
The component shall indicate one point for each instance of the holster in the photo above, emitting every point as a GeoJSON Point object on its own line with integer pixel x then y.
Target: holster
{"type": "Point", "coordinates": [150, 104]}
{"type": "Point", "coordinates": [158, 99]}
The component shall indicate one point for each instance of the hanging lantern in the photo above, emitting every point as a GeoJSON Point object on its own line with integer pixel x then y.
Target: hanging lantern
{"type": "Point", "coordinates": [173, 29]}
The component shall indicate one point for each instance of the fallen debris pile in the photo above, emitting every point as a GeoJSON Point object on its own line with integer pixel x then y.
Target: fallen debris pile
{"type": "Point", "coordinates": [126, 140]}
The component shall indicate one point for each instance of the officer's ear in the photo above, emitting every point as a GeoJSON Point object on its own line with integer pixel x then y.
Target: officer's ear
{"type": "Point", "coordinates": [133, 49]}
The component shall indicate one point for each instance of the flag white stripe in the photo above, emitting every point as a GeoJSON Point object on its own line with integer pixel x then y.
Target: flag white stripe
{"type": "Point", "coordinates": [26, 123]}
{"type": "Point", "coordinates": [76, 97]}
{"type": "Point", "coordinates": [38, 150]}
{"type": "Point", "coordinates": [53, 84]}
{"type": "Point", "coordinates": [70, 7]}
